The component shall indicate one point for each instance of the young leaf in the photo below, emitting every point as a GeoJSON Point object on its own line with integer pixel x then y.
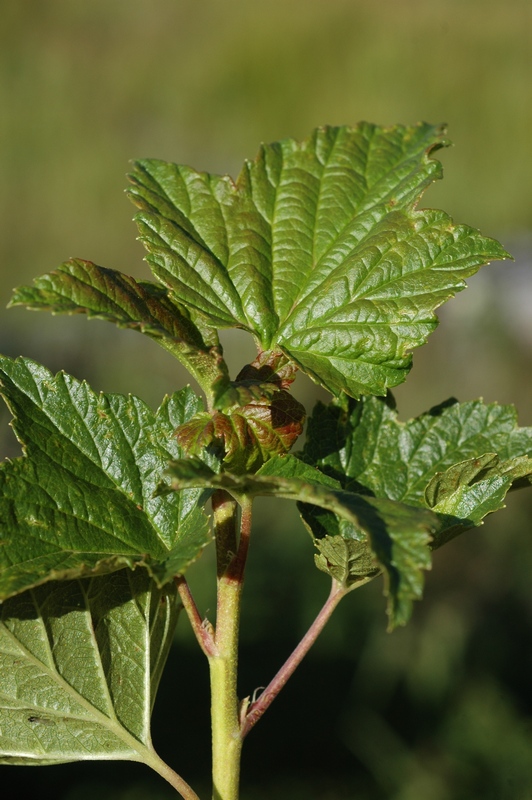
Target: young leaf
{"type": "Point", "coordinates": [318, 249]}
{"type": "Point", "coordinates": [80, 663]}
{"type": "Point", "coordinates": [83, 287]}
{"type": "Point", "coordinates": [80, 501]}
{"type": "Point", "coordinates": [249, 435]}
{"type": "Point", "coordinates": [443, 459]}
{"type": "Point", "coordinates": [254, 418]}
{"type": "Point", "coordinates": [398, 535]}
{"type": "Point", "coordinates": [347, 561]}
{"type": "Point", "coordinates": [444, 486]}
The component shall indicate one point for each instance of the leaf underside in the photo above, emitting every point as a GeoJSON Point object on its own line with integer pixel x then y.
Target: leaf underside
{"type": "Point", "coordinates": [80, 501]}
{"type": "Point", "coordinates": [80, 663]}
{"type": "Point", "coordinates": [318, 249]}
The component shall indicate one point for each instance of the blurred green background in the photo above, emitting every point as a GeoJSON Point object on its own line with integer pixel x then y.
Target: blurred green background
{"type": "Point", "coordinates": [441, 709]}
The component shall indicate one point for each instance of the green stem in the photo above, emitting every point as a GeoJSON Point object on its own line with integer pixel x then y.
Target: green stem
{"type": "Point", "coordinates": [231, 561]}
{"type": "Point", "coordinates": [175, 780]}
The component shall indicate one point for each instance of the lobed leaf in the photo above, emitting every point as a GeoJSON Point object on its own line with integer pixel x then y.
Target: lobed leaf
{"type": "Point", "coordinates": [80, 663]}
{"type": "Point", "coordinates": [384, 534]}
{"type": "Point", "coordinates": [318, 249]}
{"type": "Point", "coordinates": [80, 501]}
{"type": "Point", "coordinates": [459, 458]}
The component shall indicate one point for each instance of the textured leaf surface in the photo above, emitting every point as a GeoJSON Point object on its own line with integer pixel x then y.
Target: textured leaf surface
{"type": "Point", "coordinates": [80, 663]}
{"type": "Point", "coordinates": [80, 501]}
{"type": "Point", "coordinates": [469, 491]}
{"type": "Point", "coordinates": [459, 458]}
{"type": "Point", "coordinates": [318, 249]}
{"type": "Point", "coordinates": [398, 535]}
{"type": "Point", "coordinates": [83, 287]}
{"type": "Point", "coordinates": [349, 562]}
{"type": "Point", "coordinates": [248, 436]}
{"type": "Point", "coordinates": [263, 420]}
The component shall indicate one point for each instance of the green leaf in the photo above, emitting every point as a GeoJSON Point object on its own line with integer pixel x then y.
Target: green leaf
{"type": "Point", "coordinates": [183, 225]}
{"type": "Point", "coordinates": [349, 562]}
{"type": "Point", "coordinates": [459, 458]}
{"type": "Point", "coordinates": [469, 491]}
{"type": "Point", "coordinates": [83, 287]}
{"type": "Point", "coordinates": [80, 663]}
{"type": "Point", "coordinates": [444, 485]}
{"type": "Point", "coordinates": [318, 249]}
{"type": "Point", "coordinates": [80, 501]}
{"type": "Point", "coordinates": [280, 476]}
{"type": "Point", "coordinates": [398, 535]}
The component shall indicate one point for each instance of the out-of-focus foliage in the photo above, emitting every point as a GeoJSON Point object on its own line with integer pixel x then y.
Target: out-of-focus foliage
{"type": "Point", "coordinates": [442, 708]}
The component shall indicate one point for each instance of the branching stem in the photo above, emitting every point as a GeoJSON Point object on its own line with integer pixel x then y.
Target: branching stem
{"type": "Point", "coordinates": [232, 721]}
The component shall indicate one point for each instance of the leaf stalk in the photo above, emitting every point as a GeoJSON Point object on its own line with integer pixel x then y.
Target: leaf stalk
{"type": "Point", "coordinates": [203, 630]}
{"type": "Point", "coordinates": [255, 710]}
{"type": "Point", "coordinates": [175, 780]}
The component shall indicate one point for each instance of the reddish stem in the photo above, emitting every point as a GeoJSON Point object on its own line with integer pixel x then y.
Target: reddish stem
{"type": "Point", "coordinates": [202, 628]}
{"type": "Point", "coordinates": [237, 565]}
{"type": "Point", "coordinates": [255, 711]}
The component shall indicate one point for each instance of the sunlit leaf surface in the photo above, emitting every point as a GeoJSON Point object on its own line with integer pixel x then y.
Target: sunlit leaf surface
{"type": "Point", "coordinates": [80, 501]}
{"type": "Point", "coordinates": [459, 459]}
{"type": "Point", "coordinates": [318, 249]}
{"type": "Point", "coordinates": [81, 287]}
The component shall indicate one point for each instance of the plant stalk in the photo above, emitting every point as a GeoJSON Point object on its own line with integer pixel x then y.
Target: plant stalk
{"type": "Point", "coordinates": [202, 628]}
{"type": "Point", "coordinates": [175, 780]}
{"type": "Point", "coordinates": [257, 709]}
{"type": "Point", "coordinates": [231, 560]}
